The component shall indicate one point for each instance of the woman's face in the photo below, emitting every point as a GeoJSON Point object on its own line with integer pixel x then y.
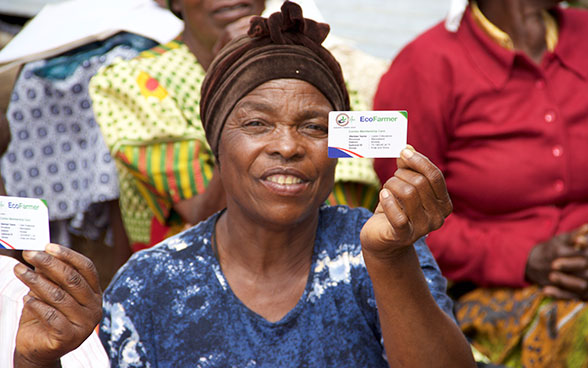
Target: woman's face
{"type": "Point", "coordinates": [273, 153]}
{"type": "Point", "coordinates": [206, 19]}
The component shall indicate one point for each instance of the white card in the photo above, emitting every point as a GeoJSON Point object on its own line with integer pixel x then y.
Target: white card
{"type": "Point", "coordinates": [367, 133]}
{"type": "Point", "coordinates": [24, 223]}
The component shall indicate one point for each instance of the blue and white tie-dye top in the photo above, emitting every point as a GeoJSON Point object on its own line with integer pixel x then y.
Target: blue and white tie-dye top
{"type": "Point", "coordinates": [171, 306]}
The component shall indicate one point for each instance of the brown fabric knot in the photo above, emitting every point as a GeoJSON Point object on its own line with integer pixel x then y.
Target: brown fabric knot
{"type": "Point", "coordinates": [289, 27]}
{"type": "Point", "coordinates": [284, 46]}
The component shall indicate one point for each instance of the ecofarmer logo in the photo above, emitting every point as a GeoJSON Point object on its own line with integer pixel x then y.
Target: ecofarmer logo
{"type": "Point", "coordinates": [342, 119]}
{"type": "Point", "coordinates": [378, 119]}
{"type": "Point", "coordinates": [21, 206]}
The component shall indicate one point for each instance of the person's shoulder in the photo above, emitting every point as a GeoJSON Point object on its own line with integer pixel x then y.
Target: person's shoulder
{"type": "Point", "coordinates": [434, 42]}
{"type": "Point", "coordinates": [575, 13]}
{"type": "Point", "coordinates": [156, 58]}
{"type": "Point", "coordinates": [430, 56]}
{"type": "Point", "coordinates": [575, 18]}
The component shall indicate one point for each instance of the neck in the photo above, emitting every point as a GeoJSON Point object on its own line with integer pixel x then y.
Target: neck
{"type": "Point", "coordinates": [522, 20]}
{"type": "Point", "coordinates": [264, 250]}
{"type": "Point", "coordinates": [201, 49]}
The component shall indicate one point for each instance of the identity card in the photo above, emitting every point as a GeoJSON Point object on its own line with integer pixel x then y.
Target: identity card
{"type": "Point", "coordinates": [24, 223]}
{"type": "Point", "coordinates": [367, 133]}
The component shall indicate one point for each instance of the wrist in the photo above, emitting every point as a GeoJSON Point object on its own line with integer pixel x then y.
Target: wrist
{"type": "Point", "coordinates": [388, 256]}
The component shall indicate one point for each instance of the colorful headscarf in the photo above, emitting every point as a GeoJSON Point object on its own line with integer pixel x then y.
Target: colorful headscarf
{"type": "Point", "coordinates": [284, 46]}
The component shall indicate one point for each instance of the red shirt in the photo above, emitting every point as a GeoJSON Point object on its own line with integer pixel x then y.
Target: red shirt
{"type": "Point", "coordinates": [510, 136]}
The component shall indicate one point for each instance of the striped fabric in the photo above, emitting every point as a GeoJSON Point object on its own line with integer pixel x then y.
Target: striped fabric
{"type": "Point", "coordinates": [89, 355]}
{"type": "Point", "coordinates": [166, 173]}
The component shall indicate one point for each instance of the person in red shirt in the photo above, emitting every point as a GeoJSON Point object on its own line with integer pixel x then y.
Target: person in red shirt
{"type": "Point", "coordinates": [500, 106]}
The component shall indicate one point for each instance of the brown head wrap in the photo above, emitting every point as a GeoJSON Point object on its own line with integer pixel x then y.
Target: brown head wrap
{"type": "Point", "coordinates": [285, 45]}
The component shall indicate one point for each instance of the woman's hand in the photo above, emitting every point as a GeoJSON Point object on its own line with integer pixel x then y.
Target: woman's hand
{"type": "Point", "coordinates": [61, 310]}
{"type": "Point", "coordinates": [561, 265]}
{"type": "Point", "coordinates": [413, 203]}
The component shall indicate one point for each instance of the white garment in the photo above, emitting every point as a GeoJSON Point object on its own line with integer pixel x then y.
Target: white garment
{"type": "Point", "coordinates": [456, 11]}
{"type": "Point", "coordinates": [90, 354]}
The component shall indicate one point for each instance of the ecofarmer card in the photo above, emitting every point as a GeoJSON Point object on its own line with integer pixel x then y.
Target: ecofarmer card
{"type": "Point", "coordinates": [24, 223]}
{"type": "Point", "coordinates": [367, 133]}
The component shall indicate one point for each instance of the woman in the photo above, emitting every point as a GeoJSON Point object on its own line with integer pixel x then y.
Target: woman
{"type": "Point", "coordinates": [499, 105]}
{"type": "Point", "coordinates": [148, 111]}
{"type": "Point", "coordinates": [275, 279]}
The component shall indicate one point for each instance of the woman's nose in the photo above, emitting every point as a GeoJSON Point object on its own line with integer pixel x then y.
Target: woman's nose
{"type": "Point", "coordinates": [286, 143]}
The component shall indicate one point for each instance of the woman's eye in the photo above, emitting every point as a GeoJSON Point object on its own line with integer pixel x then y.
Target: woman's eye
{"type": "Point", "coordinates": [316, 128]}
{"type": "Point", "coordinates": [253, 123]}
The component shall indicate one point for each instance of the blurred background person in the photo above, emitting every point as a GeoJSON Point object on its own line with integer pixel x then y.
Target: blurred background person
{"type": "Point", "coordinates": [496, 98]}
{"type": "Point", "coordinates": [57, 152]}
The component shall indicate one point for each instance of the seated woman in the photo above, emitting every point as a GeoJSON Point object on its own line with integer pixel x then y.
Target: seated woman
{"type": "Point", "coordinates": [499, 105]}
{"type": "Point", "coordinates": [148, 111]}
{"type": "Point", "coordinates": [278, 279]}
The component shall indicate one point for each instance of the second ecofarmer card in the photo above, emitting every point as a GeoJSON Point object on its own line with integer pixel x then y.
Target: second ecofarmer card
{"type": "Point", "coordinates": [374, 134]}
{"type": "Point", "coordinates": [24, 223]}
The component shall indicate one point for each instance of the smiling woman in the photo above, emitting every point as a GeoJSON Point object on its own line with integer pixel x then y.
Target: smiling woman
{"type": "Point", "coordinates": [281, 129]}
{"type": "Point", "coordinates": [277, 279]}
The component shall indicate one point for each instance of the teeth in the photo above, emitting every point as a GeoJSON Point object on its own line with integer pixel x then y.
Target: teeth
{"type": "Point", "coordinates": [284, 179]}
{"type": "Point", "coordinates": [233, 7]}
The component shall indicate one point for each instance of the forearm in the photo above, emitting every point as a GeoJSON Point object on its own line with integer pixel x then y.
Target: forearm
{"type": "Point", "coordinates": [22, 361]}
{"type": "Point", "coordinates": [416, 332]}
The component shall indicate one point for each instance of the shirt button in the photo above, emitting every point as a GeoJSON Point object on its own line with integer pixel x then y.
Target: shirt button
{"type": "Point", "coordinates": [549, 116]}
{"type": "Point", "coordinates": [559, 185]}
{"type": "Point", "coordinates": [557, 151]}
{"type": "Point", "coordinates": [539, 84]}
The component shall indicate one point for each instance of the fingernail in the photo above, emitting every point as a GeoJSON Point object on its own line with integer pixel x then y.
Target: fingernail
{"type": "Point", "coordinates": [30, 254]}
{"type": "Point", "coordinates": [408, 146]}
{"type": "Point", "coordinates": [385, 193]}
{"type": "Point", "coordinates": [406, 153]}
{"type": "Point", "coordinates": [52, 249]}
{"type": "Point", "coordinates": [20, 269]}
{"type": "Point", "coordinates": [26, 298]}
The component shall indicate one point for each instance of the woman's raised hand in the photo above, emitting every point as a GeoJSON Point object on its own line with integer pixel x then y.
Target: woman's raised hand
{"type": "Point", "coordinates": [62, 308]}
{"type": "Point", "coordinates": [413, 203]}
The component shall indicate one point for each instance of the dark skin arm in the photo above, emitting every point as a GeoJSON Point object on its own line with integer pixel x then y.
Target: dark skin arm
{"type": "Point", "coordinates": [417, 333]}
{"type": "Point", "coordinates": [61, 310]}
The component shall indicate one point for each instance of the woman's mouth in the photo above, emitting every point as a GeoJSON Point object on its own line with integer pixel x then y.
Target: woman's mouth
{"type": "Point", "coordinates": [285, 182]}
{"type": "Point", "coordinates": [230, 13]}
{"type": "Point", "coordinates": [284, 179]}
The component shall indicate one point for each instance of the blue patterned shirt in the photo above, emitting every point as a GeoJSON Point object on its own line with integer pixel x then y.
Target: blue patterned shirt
{"type": "Point", "coordinates": [171, 306]}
